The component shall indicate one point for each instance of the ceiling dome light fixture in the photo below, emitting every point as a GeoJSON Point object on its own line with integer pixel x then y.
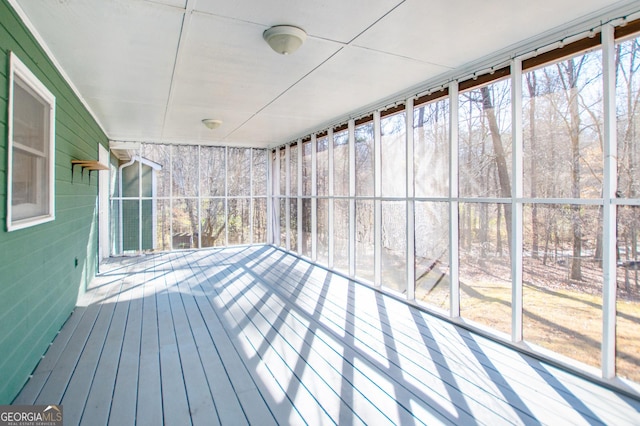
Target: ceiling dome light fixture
{"type": "Point", "coordinates": [284, 39]}
{"type": "Point", "coordinates": [211, 123]}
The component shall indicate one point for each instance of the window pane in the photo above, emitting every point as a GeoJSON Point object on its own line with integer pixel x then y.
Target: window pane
{"type": "Point", "coordinates": [159, 154]}
{"type": "Point", "coordinates": [30, 118]}
{"type": "Point", "coordinates": [147, 181]}
{"type": "Point", "coordinates": [628, 295]}
{"type": "Point", "coordinates": [431, 149]}
{"type": "Point", "coordinates": [628, 114]}
{"type": "Point", "coordinates": [130, 184]}
{"type": "Point", "coordinates": [185, 171]}
{"type": "Point", "coordinates": [212, 222]}
{"type": "Point", "coordinates": [562, 280]}
{"type": "Point", "coordinates": [323, 166]}
{"type": "Point", "coordinates": [432, 253]}
{"type": "Point", "coordinates": [189, 162]}
{"type": "Point", "coordinates": [238, 219]}
{"type": "Point", "coordinates": [563, 129]}
{"type": "Point", "coordinates": [628, 288]}
{"type": "Point", "coordinates": [163, 223]}
{"type": "Point", "coordinates": [148, 224]}
{"type": "Point", "coordinates": [282, 159]}
{"type": "Point", "coordinates": [364, 240]}
{"type": "Point", "coordinates": [293, 169]}
{"type": "Point", "coordinates": [115, 227]}
{"type": "Point", "coordinates": [185, 224]}
{"type": "Point", "coordinates": [239, 171]}
{"type": "Point", "coordinates": [212, 166]}
{"type": "Point", "coordinates": [130, 225]}
{"type": "Point", "coordinates": [29, 185]}
{"type": "Point", "coordinates": [259, 172]}
{"type": "Point", "coordinates": [485, 141]}
{"type": "Point", "coordinates": [341, 235]}
{"type": "Point", "coordinates": [394, 155]}
{"type": "Point", "coordinates": [323, 231]}
{"type": "Point", "coordinates": [306, 168]}
{"type": "Point", "coordinates": [306, 227]}
{"type": "Point", "coordinates": [293, 224]}
{"type": "Point", "coordinates": [364, 160]}
{"type": "Point", "coordinates": [259, 220]}
{"type": "Point", "coordinates": [282, 238]}
{"type": "Point", "coordinates": [394, 245]}
{"type": "Point", "coordinates": [485, 266]}
{"type": "Point", "coordinates": [341, 163]}
{"type": "Point", "coordinates": [30, 174]}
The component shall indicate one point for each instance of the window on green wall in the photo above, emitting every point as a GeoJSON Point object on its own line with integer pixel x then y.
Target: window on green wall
{"type": "Point", "coordinates": [30, 191]}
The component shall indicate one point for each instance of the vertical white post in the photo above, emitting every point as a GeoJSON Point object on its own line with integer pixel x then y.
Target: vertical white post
{"type": "Point", "coordinates": [104, 211]}
{"type": "Point", "coordinates": [352, 200]}
{"type": "Point", "coordinates": [170, 197]}
{"type": "Point", "coordinates": [251, 196]}
{"type": "Point", "coordinates": [609, 216]}
{"type": "Point", "coordinates": [287, 206]}
{"type": "Point", "coordinates": [314, 198]}
{"type": "Point", "coordinates": [154, 209]}
{"type": "Point", "coordinates": [453, 199]}
{"type": "Point", "coordinates": [299, 195]}
{"type": "Point", "coordinates": [120, 214]}
{"type": "Point", "coordinates": [516, 195]}
{"type": "Point", "coordinates": [275, 190]}
{"type": "Point", "coordinates": [140, 200]}
{"type": "Point", "coordinates": [226, 197]}
{"type": "Point", "coordinates": [269, 167]}
{"type": "Point", "coordinates": [331, 196]}
{"type": "Point", "coordinates": [410, 194]}
{"type": "Point", "coordinates": [377, 203]}
{"type": "Point", "coordinates": [199, 200]}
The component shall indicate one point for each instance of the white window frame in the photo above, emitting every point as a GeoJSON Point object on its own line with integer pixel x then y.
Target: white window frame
{"type": "Point", "coordinates": [19, 69]}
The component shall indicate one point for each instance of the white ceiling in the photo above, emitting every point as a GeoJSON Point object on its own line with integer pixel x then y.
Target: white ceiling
{"type": "Point", "coordinates": [151, 70]}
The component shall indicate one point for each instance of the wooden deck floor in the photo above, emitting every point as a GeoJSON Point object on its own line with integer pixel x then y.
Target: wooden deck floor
{"type": "Point", "coordinates": [254, 335]}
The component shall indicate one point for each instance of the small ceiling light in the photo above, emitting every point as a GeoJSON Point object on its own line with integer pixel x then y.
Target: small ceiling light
{"type": "Point", "coordinates": [284, 39]}
{"type": "Point", "coordinates": [211, 123]}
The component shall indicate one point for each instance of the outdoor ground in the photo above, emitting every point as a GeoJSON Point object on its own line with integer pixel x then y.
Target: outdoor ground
{"type": "Point", "coordinates": [560, 314]}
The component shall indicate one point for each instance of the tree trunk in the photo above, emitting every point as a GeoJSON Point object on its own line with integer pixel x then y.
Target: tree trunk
{"type": "Point", "coordinates": [484, 178]}
{"type": "Point", "coordinates": [420, 122]}
{"type": "Point", "coordinates": [547, 238]}
{"type": "Point", "coordinates": [483, 229]}
{"type": "Point", "coordinates": [576, 217]}
{"type": "Point", "coordinates": [193, 215]}
{"type": "Point", "coordinates": [501, 161]}
{"type": "Point", "coordinates": [597, 255]}
{"type": "Point", "coordinates": [468, 235]}
{"type": "Point", "coordinates": [498, 231]}
{"type": "Point", "coordinates": [532, 86]}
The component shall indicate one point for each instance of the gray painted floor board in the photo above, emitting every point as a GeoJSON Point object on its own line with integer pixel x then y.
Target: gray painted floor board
{"type": "Point", "coordinates": [251, 335]}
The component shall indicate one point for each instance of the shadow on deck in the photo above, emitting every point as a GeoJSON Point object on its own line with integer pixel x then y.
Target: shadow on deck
{"type": "Point", "coordinates": [254, 335]}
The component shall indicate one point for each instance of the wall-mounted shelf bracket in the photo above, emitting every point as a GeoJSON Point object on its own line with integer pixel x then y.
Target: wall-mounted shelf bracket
{"type": "Point", "coordinates": [89, 165]}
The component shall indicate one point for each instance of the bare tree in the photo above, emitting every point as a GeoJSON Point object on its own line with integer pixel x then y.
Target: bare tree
{"type": "Point", "coordinates": [532, 83]}
{"type": "Point", "coordinates": [569, 71]}
{"type": "Point", "coordinates": [628, 112]}
{"type": "Point", "coordinates": [499, 155]}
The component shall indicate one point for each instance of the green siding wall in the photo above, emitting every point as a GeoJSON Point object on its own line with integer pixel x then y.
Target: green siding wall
{"type": "Point", "coordinates": [39, 279]}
